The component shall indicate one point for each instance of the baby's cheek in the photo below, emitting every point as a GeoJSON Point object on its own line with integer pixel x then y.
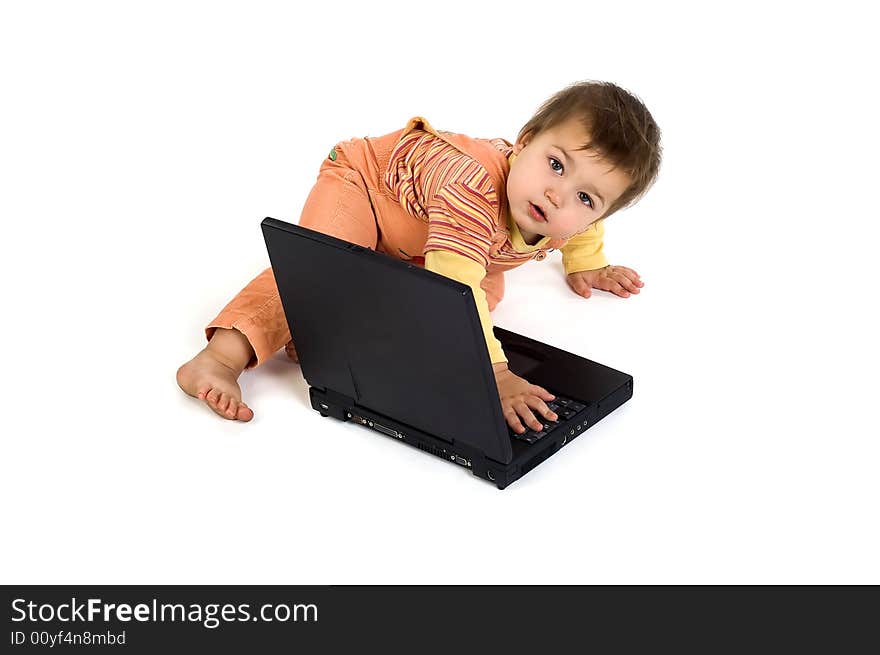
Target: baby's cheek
{"type": "Point", "coordinates": [566, 227]}
{"type": "Point", "coordinates": [584, 225]}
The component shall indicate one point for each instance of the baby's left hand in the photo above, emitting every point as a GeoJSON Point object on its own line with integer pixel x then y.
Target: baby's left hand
{"type": "Point", "coordinates": [619, 280]}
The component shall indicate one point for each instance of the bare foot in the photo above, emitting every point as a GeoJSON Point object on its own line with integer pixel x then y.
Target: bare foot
{"type": "Point", "coordinates": [208, 378]}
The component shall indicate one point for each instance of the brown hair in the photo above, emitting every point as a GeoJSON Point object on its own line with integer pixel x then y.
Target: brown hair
{"type": "Point", "coordinates": [622, 131]}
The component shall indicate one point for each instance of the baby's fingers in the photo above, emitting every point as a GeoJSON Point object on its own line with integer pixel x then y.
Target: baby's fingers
{"type": "Point", "coordinates": [541, 392]}
{"type": "Point", "coordinates": [527, 416]}
{"type": "Point", "coordinates": [614, 286]}
{"type": "Point", "coordinates": [629, 279]}
{"type": "Point", "coordinates": [632, 275]}
{"type": "Point", "coordinates": [617, 282]}
{"type": "Point", "coordinates": [512, 419]}
{"type": "Point", "coordinates": [539, 405]}
{"type": "Point", "coordinates": [626, 283]}
{"type": "Point", "coordinates": [579, 286]}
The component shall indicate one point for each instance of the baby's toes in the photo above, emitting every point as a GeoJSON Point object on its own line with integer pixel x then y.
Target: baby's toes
{"type": "Point", "coordinates": [245, 413]}
{"type": "Point", "coordinates": [232, 408]}
{"type": "Point", "coordinates": [215, 402]}
{"type": "Point", "coordinates": [223, 403]}
{"type": "Point", "coordinates": [212, 398]}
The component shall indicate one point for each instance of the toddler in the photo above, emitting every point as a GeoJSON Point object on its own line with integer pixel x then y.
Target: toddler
{"type": "Point", "coordinates": [468, 209]}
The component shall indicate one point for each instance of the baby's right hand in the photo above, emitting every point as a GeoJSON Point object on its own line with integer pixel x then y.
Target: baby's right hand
{"type": "Point", "coordinates": [519, 397]}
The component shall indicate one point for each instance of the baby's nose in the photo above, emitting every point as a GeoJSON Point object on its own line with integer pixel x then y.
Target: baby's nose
{"type": "Point", "coordinates": [552, 197]}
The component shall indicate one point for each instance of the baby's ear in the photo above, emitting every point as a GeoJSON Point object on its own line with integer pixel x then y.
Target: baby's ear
{"type": "Point", "coordinates": [521, 142]}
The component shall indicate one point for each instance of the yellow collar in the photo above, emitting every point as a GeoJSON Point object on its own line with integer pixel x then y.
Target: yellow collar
{"type": "Point", "coordinates": [519, 244]}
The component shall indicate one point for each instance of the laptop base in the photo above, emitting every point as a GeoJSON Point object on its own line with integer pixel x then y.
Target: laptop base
{"type": "Point", "coordinates": [342, 408]}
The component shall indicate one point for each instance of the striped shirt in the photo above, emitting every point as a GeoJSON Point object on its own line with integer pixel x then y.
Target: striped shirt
{"type": "Point", "coordinates": [458, 186]}
{"type": "Point", "coordinates": [437, 178]}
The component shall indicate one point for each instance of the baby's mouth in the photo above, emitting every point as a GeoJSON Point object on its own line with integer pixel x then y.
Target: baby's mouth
{"type": "Point", "coordinates": [536, 213]}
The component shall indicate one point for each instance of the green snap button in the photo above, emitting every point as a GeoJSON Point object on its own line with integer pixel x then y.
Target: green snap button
{"type": "Point", "coordinates": [333, 154]}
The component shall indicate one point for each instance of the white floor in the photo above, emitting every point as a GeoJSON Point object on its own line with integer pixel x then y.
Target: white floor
{"type": "Point", "coordinates": [141, 168]}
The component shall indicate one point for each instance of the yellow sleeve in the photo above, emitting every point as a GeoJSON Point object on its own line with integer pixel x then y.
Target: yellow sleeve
{"type": "Point", "coordinates": [468, 272]}
{"type": "Point", "coordinates": [584, 251]}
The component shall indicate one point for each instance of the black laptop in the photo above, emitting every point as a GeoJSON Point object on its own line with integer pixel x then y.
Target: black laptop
{"type": "Point", "coordinates": [400, 350]}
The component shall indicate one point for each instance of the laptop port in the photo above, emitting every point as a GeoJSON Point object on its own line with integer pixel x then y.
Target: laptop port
{"type": "Point", "coordinates": [461, 461]}
{"type": "Point", "coordinates": [381, 428]}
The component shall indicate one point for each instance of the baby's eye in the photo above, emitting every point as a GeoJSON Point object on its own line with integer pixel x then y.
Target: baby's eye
{"type": "Point", "coordinates": [585, 198]}
{"type": "Point", "coordinates": [555, 161]}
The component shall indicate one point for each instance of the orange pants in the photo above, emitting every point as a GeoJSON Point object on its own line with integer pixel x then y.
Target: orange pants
{"type": "Point", "coordinates": [349, 201]}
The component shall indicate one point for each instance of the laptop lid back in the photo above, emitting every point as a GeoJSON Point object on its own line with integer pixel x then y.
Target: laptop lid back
{"type": "Point", "coordinates": [395, 338]}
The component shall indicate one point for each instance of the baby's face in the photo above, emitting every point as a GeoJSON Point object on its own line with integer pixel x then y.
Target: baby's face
{"type": "Point", "coordinates": [572, 188]}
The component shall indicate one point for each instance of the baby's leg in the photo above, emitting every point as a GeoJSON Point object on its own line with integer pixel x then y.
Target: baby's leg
{"type": "Point", "coordinates": [253, 326]}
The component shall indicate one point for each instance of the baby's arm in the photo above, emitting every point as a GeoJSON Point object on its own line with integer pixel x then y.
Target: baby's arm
{"type": "Point", "coordinates": [587, 268]}
{"type": "Point", "coordinates": [469, 272]}
{"type": "Point", "coordinates": [518, 397]}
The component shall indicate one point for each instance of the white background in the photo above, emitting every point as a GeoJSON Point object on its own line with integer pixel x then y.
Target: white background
{"type": "Point", "coordinates": [143, 143]}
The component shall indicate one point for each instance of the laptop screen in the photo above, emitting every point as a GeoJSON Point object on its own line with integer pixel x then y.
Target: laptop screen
{"type": "Point", "coordinates": [394, 338]}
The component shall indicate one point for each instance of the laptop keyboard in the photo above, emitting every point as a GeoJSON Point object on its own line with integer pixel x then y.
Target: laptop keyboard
{"type": "Point", "coordinates": [565, 409]}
